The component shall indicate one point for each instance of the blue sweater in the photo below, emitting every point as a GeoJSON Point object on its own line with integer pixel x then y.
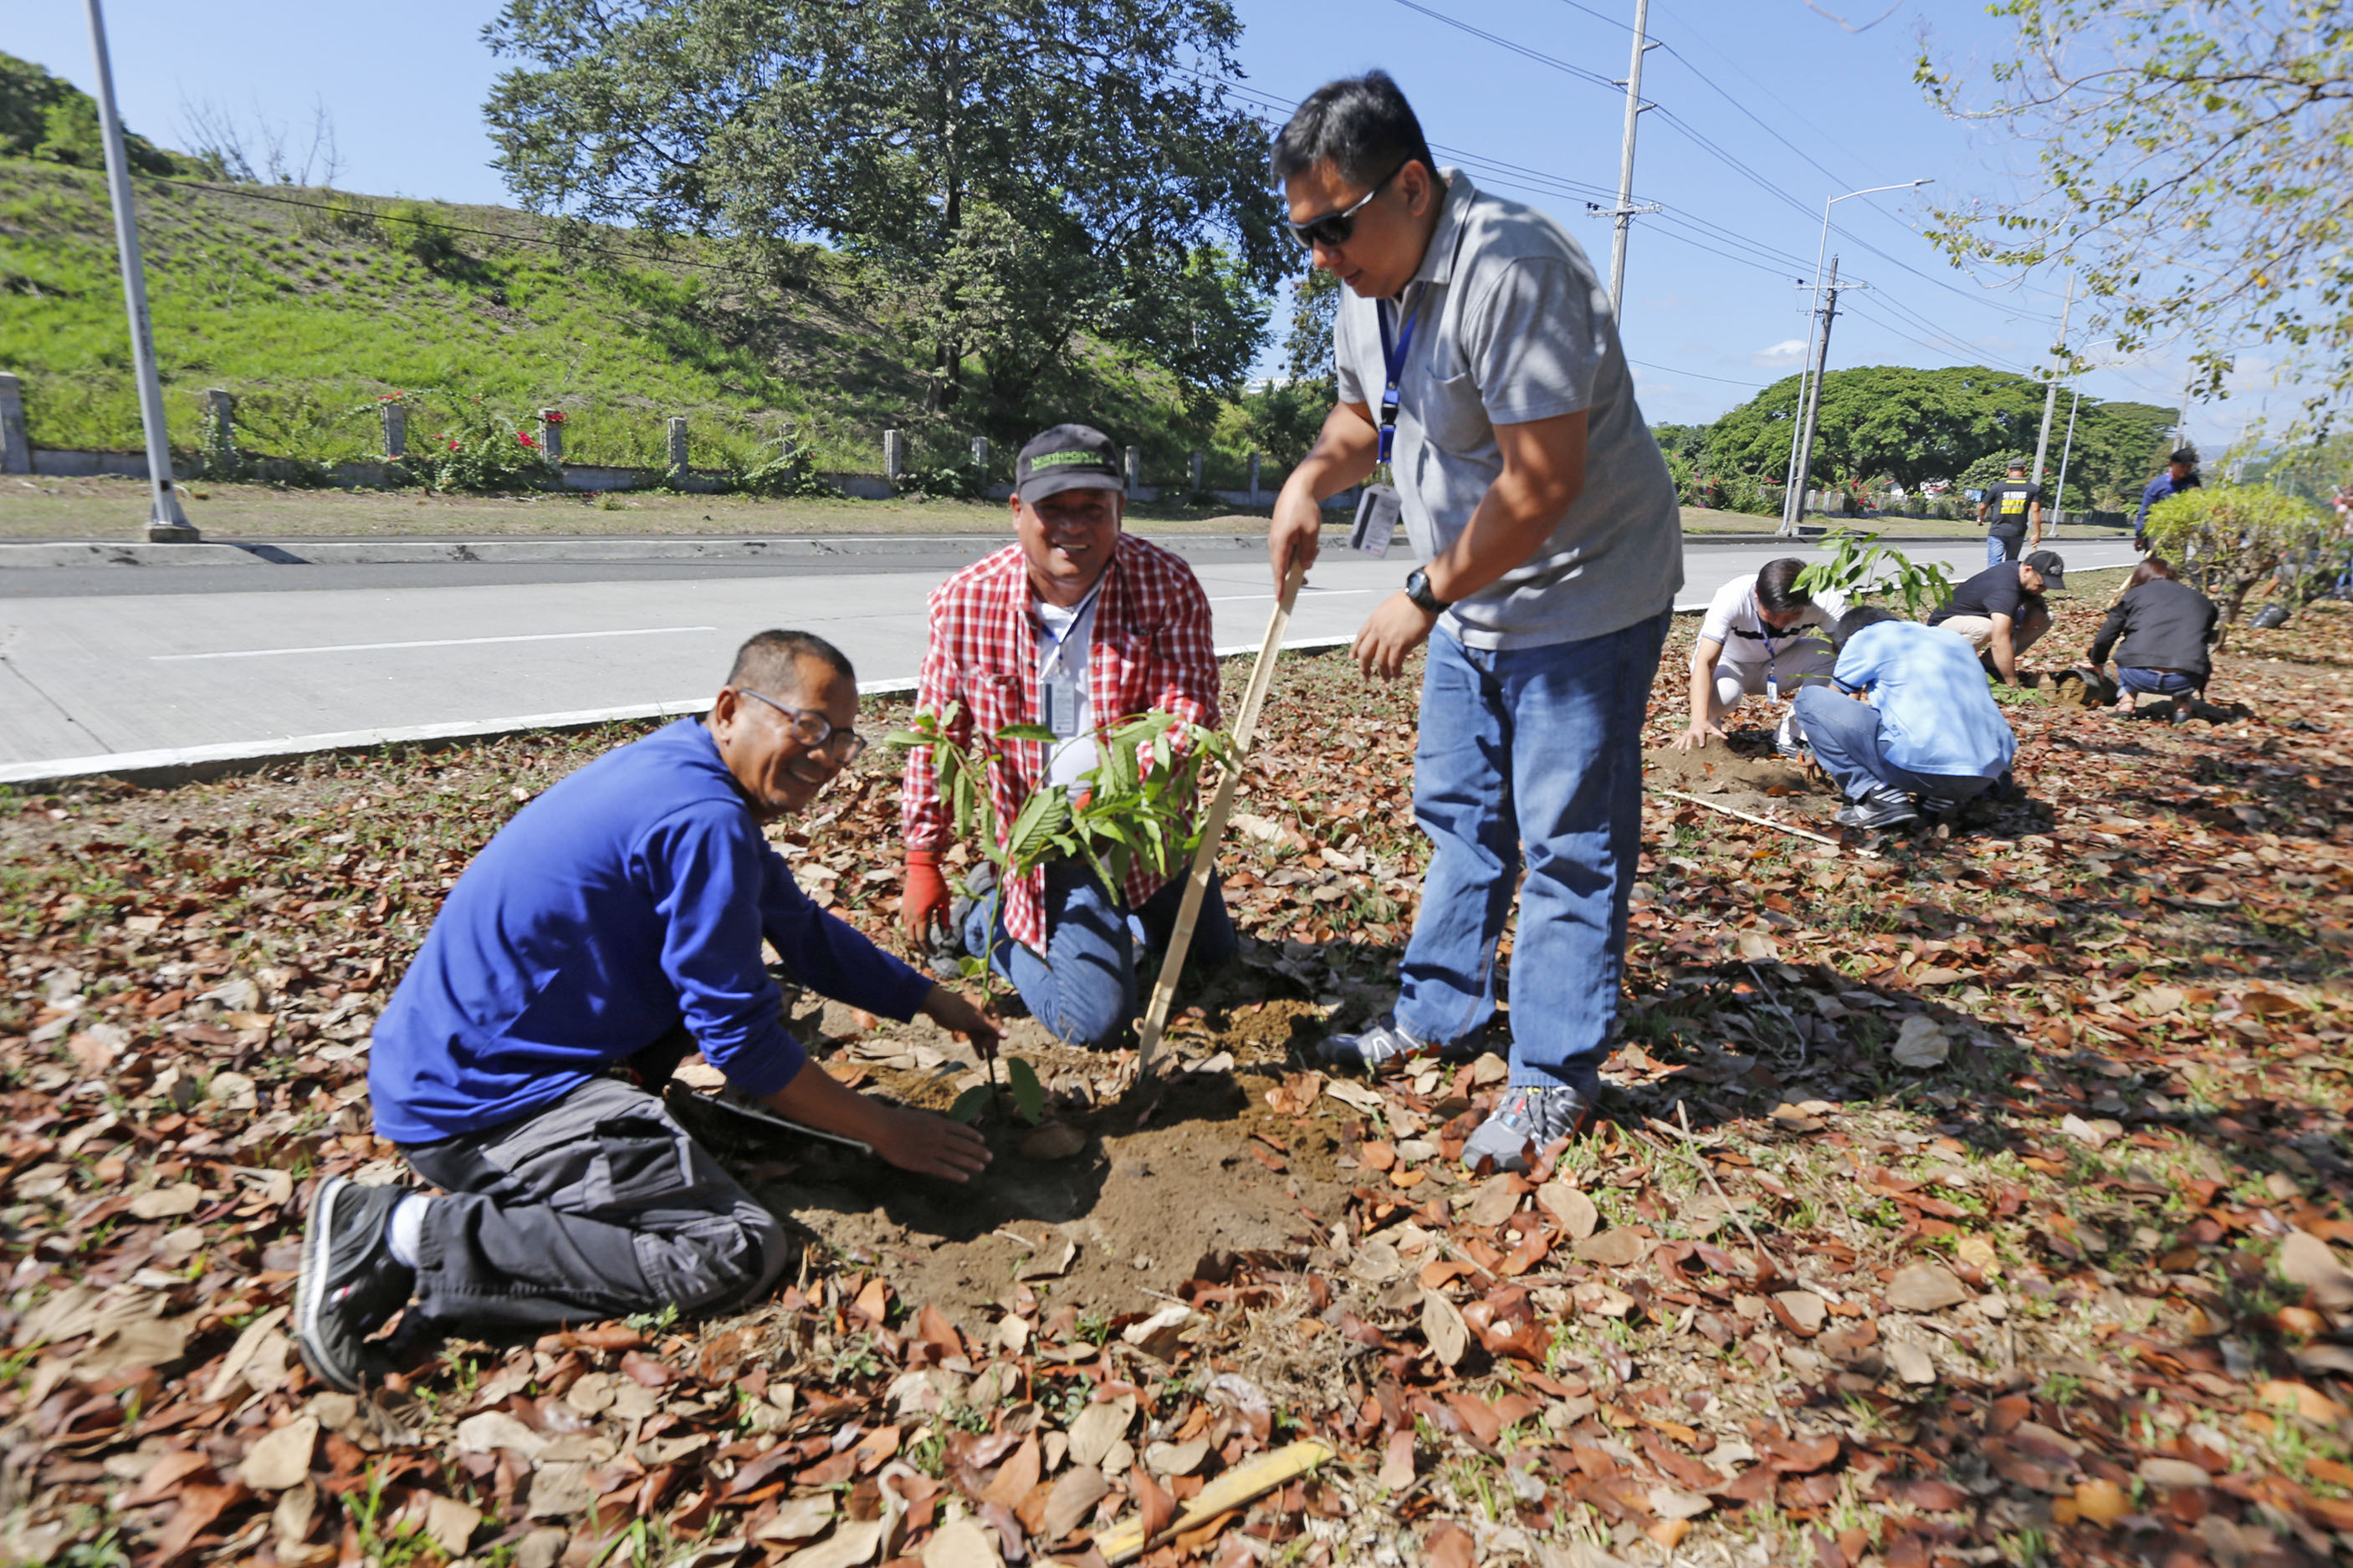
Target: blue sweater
{"type": "Point", "coordinates": [627, 898]}
{"type": "Point", "coordinates": [1936, 714]}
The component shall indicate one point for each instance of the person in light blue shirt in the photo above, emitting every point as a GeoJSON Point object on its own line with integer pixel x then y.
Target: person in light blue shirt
{"type": "Point", "coordinates": [614, 925]}
{"type": "Point", "coordinates": [1908, 723]}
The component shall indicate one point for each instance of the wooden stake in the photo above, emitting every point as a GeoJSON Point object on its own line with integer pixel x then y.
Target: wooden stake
{"type": "Point", "coordinates": [1744, 816]}
{"type": "Point", "coordinates": [1204, 858]}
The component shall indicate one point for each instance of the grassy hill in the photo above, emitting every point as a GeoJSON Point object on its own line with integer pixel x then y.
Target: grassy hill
{"type": "Point", "coordinates": [312, 305]}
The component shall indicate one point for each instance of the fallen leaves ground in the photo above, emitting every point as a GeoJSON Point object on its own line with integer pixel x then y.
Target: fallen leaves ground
{"type": "Point", "coordinates": [1965, 1197]}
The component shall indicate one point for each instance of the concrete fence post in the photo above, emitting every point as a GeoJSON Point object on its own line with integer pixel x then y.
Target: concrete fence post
{"type": "Point", "coordinates": [1196, 467]}
{"type": "Point", "coordinates": [894, 455]}
{"type": "Point", "coordinates": [219, 418]}
{"type": "Point", "coordinates": [16, 447]}
{"type": "Point", "coordinates": [551, 434]}
{"type": "Point", "coordinates": [980, 451]}
{"type": "Point", "coordinates": [396, 431]}
{"type": "Point", "coordinates": [1253, 471]}
{"type": "Point", "coordinates": [1134, 470]}
{"type": "Point", "coordinates": [676, 443]}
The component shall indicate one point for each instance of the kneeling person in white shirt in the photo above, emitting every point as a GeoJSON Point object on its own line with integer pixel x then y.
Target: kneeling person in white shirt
{"type": "Point", "coordinates": [1764, 637]}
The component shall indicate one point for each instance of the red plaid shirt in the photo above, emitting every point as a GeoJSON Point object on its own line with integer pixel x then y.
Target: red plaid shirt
{"type": "Point", "coordinates": [1151, 649]}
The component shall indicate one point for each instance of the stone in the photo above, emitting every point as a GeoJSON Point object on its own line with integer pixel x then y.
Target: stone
{"type": "Point", "coordinates": [280, 1458]}
{"type": "Point", "coordinates": [1054, 1140]}
{"type": "Point", "coordinates": [1925, 1287]}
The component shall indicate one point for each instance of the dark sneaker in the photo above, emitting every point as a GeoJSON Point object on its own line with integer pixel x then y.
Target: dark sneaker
{"type": "Point", "coordinates": [1886, 806]}
{"type": "Point", "coordinates": [1939, 808]}
{"type": "Point", "coordinates": [349, 1285]}
{"type": "Point", "coordinates": [1376, 1048]}
{"type": "Point", "coordinates": [1525, 1123]}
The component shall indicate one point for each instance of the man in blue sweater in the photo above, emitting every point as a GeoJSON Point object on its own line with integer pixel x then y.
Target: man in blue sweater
{"type": "Point", "coordinates": [620, 915]}
{"type": "Point", "coordinates": [2181, 474]}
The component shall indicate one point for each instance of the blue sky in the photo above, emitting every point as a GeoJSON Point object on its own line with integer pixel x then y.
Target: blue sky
{"type": "Point", "coordinates": [1766, 107]}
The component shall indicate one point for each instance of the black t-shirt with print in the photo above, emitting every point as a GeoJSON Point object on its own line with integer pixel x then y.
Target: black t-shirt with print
{"type": "Point", "coordinates": [2009, 500]}
{"type": "Point", "coordinates": [1995, 591]}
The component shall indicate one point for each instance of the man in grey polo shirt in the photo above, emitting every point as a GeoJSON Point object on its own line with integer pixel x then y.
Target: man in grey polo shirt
{"type": "Point", "coordinates": [1474, 327]}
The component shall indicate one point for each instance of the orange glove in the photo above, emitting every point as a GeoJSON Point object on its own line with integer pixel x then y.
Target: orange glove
{"type": "Point", "coordinates": [923, 902]}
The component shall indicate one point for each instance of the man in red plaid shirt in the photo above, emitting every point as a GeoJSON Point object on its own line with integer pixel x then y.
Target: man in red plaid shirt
{"type": "Point", "coordinates": [1075, 627]}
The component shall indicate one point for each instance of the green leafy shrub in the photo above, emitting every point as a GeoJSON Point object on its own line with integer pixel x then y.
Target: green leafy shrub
{"type": "Point", "coordinates": [789, 470]}
{"type": "Point", "coordinates": [1863, 569]}
{"type": "Point", "coordinates": [2226, 539]}
{"type": "Point", "coordinates": [483, 451]}
{"type": "Point", "coordinates": [950, 482]}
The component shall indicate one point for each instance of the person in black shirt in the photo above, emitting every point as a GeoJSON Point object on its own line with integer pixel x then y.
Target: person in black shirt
{"type": "Point", "coordinates": [2012, 513]}
{"type": "Point", "coordinates": [2166, 627]}
{"type": "Point", "coordinates": [2000, 610]}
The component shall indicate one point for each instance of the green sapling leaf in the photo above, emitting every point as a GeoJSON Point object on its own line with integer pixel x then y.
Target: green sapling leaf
{"type": "Point", "coordinates": [1029, 1094]}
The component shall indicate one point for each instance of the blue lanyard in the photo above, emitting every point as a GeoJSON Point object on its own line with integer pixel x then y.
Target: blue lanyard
{"type": "Point", "coordinates": [1393, 357]}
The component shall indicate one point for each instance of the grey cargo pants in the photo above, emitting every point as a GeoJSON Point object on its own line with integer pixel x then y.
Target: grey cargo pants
{"type": "Point", "coordinates": [599, 1206]}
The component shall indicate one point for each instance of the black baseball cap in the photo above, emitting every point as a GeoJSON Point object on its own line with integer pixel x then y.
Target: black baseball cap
{"type": "Point", "coordinates": [1066, 458]}
{"type": "Point", "coordinates": [2053, 569]}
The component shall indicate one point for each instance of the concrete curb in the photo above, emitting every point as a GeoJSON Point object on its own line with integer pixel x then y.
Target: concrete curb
{"type": "Point", "coordinates": [191, 765]}
{"type": "Point", "coordinates": [34, 555]}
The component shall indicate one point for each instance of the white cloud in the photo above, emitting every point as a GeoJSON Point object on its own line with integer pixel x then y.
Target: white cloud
{"type": "Point", "coordinates": [1781, 355]}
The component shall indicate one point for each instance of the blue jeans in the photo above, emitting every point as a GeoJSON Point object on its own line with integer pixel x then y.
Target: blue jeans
{"type": "Point", "coordinates": [1529, 756]}
{"type": "Point", "coordinates": [1999, 549]}
{"type": "Point", "coordinates": [1844, 734]}
{"type": "Point", "coordinates": [1083, 988]}
{"type": "Point", "coordinates": [2158, 682]}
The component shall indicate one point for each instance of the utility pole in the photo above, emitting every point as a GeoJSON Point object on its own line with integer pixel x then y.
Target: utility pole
{"type": "Point", "coordinates": [2051, 392]}
{"type": "Point", "coordinates": [2057, 512]}
{"type": "Point", "coordinates": [167, 523]}
{"type": "Point", "coordinates": [1794, 504]}
{"type": "Point", "coordinates": [1625, 212]}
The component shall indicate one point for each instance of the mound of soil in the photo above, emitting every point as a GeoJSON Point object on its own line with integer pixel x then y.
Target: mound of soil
{"type": "Point", "coordinates": [1200, 1165]}
{"type": "Point", "coordinates": [1719, 772]}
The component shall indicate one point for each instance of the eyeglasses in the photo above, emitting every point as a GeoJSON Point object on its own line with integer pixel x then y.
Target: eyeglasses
{"type": "Point", "coordinates": [1332, 229]}
{"type": "Point", "coordinates": [813, 730]}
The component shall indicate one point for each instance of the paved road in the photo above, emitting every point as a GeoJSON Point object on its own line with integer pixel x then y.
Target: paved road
{"type": "Point", "coordinates": [155, 664]}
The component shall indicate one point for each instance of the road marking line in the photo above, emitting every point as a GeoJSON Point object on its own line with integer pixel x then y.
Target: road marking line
{"type": "Point", "coordinates": [431, 642]}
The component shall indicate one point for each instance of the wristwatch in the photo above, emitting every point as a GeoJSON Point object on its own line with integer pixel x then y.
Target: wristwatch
{"type": "Point", "coordinates": [1417, 588]}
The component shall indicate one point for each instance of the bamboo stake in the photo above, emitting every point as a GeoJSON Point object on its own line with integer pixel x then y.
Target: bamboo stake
{"type": "Point", "coordinates": [1204, 858]}
{"type": "Point", "coordinates": [1746, 817]}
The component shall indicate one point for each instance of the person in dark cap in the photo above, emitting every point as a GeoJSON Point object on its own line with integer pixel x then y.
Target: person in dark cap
{"type": "Point", "coordinates": [2181, 474]}
{"type": "Point", "coordinates": [2012, 513]}
{"type": "Point", "coordinates": [1075, 627]}
{"type": "Point", "coordinates": [2000, 610]}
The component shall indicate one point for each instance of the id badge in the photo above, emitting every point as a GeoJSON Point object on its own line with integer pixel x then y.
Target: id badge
{"type": "Point", "coordinates": [1378, 511]}
{"type": "Point", "coordinates": [1061, 698]}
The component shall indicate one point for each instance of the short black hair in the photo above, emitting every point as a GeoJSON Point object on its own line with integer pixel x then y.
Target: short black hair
{"type": "Point", "coordinates": [1777, 585]}
{"type": "Point", "coordinates": [2184, 455]}
{"type": "Point", "coordinates": [1854, 620]}
{"type": "Point", "coordinates": [770, 660]}
{"type": "Point", "coordinates": [1361, 125]}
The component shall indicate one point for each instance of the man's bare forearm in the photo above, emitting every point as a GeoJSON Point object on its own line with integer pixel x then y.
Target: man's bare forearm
{"type": "Point", "coordinates": [1346, 451]}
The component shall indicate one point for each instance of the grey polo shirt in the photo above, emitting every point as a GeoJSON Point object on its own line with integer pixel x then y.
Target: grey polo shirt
{"type": "Point", "coordinates": [1515, 327]}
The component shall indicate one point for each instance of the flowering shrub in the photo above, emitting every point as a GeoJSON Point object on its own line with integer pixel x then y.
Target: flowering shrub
{"type": "Point", "coordinates": [486, 452]}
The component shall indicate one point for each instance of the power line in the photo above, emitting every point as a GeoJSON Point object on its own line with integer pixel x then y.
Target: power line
{"type": "Point", "coordinates": [1595, 78]}
{"type": "Point", "coordinates": [1702, 374]}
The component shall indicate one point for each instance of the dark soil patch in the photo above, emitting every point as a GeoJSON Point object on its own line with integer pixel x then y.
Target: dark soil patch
{"type": "Point", "coordinates": [1210, 1170]}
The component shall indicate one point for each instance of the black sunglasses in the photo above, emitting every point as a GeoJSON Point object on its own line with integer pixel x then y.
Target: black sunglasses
{"type": "Point", "coordinates": [1332, 229]}
{"type": "Point", "coordinates": [813, 730]}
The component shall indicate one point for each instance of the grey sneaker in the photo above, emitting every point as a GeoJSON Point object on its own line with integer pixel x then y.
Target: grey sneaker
{"type": "Point", "coordinates": [1379, 1046]}
{"type": "Point", "coordinates": [1527, 1121]}
{"type": "Point", "coordinates": [1886, 806]}
{"type": "Point", "coordinates": [349, 1284]}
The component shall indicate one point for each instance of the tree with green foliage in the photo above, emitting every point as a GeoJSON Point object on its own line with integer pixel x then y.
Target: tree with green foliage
{"type": "Point", "coordinates": [2228, 540]}
{"type": "Point", "coordinates": [1907, 425]}
{"type": "Point", "coordinates": [2196, 172]}
{"type": "Point", "coordinates": [1032, 173]}
{"type": "Point", "coordinates": [48, 117]}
